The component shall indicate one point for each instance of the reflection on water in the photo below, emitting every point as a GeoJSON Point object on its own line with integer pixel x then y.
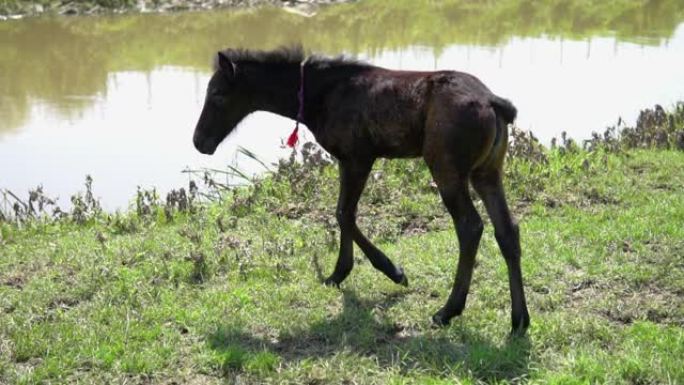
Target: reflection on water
{"type": "Point", "coordinates": [138, 134]}
{"type": "Point", "coordinates": [118, 97]}
{"type": "Point", "coordinates": [560, 85]}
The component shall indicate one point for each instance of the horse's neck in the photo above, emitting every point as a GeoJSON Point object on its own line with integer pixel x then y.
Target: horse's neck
{"type": "Point", "coordinates": [276, 90]}
{"type": "Point", "coordinates": [319, 82]}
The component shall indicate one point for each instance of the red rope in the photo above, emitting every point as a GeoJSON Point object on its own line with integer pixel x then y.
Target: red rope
{"type": "Point", "coordinates": [294, 136]}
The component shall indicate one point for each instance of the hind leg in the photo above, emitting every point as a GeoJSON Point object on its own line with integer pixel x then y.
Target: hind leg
{"type": "Point", "coordinates": [490, 188]}
{"type": "Point", "coordinates": [459, 135]}
{"type": "Point", "coordinates": [453, 187]}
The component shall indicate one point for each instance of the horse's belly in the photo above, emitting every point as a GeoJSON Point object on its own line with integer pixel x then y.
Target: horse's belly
{"type": "Point", "coordinates": [396, 141]}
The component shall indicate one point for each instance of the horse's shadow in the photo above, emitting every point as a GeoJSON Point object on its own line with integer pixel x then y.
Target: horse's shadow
{"type": "Point", "coordinates": [361, 328]}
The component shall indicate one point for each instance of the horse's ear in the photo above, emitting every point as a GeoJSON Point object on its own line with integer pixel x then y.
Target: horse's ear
{"type": "Point", "coordinates": [226, 64]}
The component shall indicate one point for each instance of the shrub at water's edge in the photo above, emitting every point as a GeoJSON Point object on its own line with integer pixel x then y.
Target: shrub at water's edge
{"type": "Point", "coordinates": [300, 182]}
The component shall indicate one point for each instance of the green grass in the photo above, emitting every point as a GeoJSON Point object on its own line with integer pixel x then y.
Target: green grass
{"type": "Point", "coordinates": [232, 292]}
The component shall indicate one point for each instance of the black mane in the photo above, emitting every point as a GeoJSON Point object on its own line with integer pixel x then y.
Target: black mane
{"type": "Point", "coordinates": [287, 55]}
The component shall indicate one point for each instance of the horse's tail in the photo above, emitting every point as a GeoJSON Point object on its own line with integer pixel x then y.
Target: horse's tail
{"type": "Point", "coordinates": [504, 109]}
{"type": "Point", "coordinates": [505, 115]}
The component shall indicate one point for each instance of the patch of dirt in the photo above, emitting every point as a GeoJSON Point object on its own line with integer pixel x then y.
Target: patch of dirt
{"type": "Point", "coordinates": [15, 281]}
{"type": "Point", "coordinates": [6, 348]}
{"type": "Point", "coordinates": [593, 196]}
{"type": "Point", "coordinates": [194, 379]}
{"type": "Point", "coordinates": [585, 292]}
{"type": "Point", "coordinates": [664, 186]}
{"type": "Point", "coordinates": [584, 284]}
{"type": "Point", "coordinates": [26, 367]}
{"type": "Point", "coordinates": [403, 332]}
{"type": "Point", "coordinates": [623, 305]}
{"type": "Point", "coordinates": [414, 226]}
{"type": "Point", "coordinates": [63, 302]}
{"type": "Point", "coordinates": [520, 207]}
{"type": "Point", "coordinates": [552, 202]}
{"type": "Point", "coordinates": [652, 304]}
{"type": "Point", "coordinates": [541, 289]}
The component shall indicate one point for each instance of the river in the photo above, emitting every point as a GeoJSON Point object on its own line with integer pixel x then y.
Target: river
{"type": "Point", "coordinates": [117, 97]}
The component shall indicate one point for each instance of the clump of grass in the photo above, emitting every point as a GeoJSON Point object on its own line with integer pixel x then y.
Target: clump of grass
{"type": "Point", "coordinates": [262, 363]}
{"type": "Point", "coordinates": [233, 358]}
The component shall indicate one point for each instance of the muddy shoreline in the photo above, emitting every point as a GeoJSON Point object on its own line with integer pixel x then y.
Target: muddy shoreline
{"type": "Point", "coordinates": [18, 9]}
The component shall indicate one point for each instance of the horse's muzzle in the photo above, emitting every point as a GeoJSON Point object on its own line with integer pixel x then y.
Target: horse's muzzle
{"type": "Point", "coordinates": [205, 145]}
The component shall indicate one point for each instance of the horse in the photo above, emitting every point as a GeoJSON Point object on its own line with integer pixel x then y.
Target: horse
{"type": "Point", "coordinates": [358, 113]}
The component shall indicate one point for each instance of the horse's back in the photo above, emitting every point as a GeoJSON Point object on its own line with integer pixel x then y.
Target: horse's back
{"type": "Point", "coordinates": [384, 110]}
{"type": "Point", "coordinates": [397, 114]}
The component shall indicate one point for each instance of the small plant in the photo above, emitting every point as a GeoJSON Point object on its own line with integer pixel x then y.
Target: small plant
{"type": "Point", "coordinates": [200, 269]}
{"type": "Point", "coordinates": [146, 202]}
{"type": "Point", "coordinates": [122, 224]}
{"type": "Point", "coordinates": [524, 145]}
{"type": "Point", "coordinates": [38, 205]}
{"type": "Point", "coordinates": [85, 206]}
{"type": "Point", "coordinates": [180, 201]}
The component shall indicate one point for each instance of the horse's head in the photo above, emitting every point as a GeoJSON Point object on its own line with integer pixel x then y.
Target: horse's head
{"type": "Point", "coordinates": [224, 107]}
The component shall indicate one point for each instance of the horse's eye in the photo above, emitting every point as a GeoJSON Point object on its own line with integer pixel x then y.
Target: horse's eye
{"type": "Point", "coordinates": [218, 99]}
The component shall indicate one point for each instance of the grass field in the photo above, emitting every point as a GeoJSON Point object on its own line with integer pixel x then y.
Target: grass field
{"type": "Point", "coordinates": [230, 292]}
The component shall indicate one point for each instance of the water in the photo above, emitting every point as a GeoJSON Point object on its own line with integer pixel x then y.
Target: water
{"type": "Point", "coordinates": [117, 97]}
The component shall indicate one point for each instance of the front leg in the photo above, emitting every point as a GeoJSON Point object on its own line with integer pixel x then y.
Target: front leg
{"type": "Point", "coordinates": [353, 176]}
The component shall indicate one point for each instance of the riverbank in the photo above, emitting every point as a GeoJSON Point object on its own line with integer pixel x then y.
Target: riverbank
{"type": "Point", "coordinates": [180, 291]}
{"type": "Point", "coordinates": [20, 8]}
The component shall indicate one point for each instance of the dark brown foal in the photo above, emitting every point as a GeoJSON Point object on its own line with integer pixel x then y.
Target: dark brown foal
{"type": "Point", "coordinates": [359, 113]}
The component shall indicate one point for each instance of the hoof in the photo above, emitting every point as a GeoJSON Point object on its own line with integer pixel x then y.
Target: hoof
{"type": "Point", "coordinates": [439, 321]}
{"type": "Point", "coordinates": [519, 328]}
{"type": "Point", "coordinates": [403, 280]}
{"type": "Point", "coordinates": [518, 333]}
{"type": "Point", "coordinates": [331, 282]}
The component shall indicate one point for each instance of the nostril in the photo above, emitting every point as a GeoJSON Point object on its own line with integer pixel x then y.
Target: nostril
{"type": "Point", "coordinates": [205, 145]}
{"type": "Point", "coordinates": [198, 140]}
